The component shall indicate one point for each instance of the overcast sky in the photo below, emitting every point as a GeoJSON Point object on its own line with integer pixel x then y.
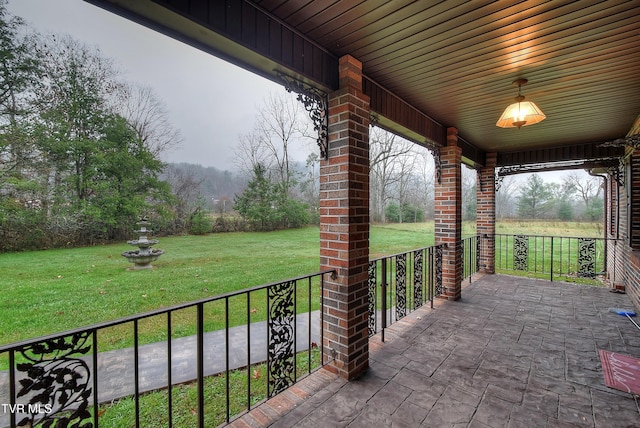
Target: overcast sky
{"type": "Point", "coordinates": [209, 100]}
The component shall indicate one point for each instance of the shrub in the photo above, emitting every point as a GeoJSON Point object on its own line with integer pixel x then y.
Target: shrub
{"type": "Point", "coordinates": [200, 222]}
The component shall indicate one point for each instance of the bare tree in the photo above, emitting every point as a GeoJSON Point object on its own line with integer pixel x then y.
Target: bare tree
{"type": "Point", "coordinates": [588, 188]}
{"type": "Point", "coordinates": [384, 149]}
{"type": "Point", "coordinates": [404, 170]}
{"type": "Point", "coordinates": [149, 117]}
{"type": "Point", "coordinates": [310, 186]}
{"type": "Point", "coordinates": [185, 185]}
{"type": "Point", "coordinates": [505, 197]}
{"type": "Point", "coordinates": [281, 123]}
{"type": "Point", "coordinates": [252, 152]}
{"type": "Point", "coordinates": [426, 170]}
{"type": "Point", "coordinates": [469, 193]}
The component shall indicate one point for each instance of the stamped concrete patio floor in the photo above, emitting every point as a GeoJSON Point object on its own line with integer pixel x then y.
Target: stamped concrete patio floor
{"type": "Point", "coordinates": [514, 352]}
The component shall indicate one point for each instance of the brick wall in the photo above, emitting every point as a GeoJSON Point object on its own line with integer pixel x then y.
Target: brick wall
{"type": "Point", "coordinates": [486, 215]}
{"type": "Point", "coordinates": [448, 215]}
{"type": "Point", "coordinates": [344, 224]}
{"type": "Point", "coordinates": [623, 257]}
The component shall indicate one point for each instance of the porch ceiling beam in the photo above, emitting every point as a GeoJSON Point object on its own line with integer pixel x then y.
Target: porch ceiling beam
{"type": "Point", "coordinates": [557, 166]}
{"type": "Point", "coordinates": [394, 114]}
{"type": "Point", "coordinates": [391, 112]}
{"type": "Point", "coordinates": [236, 31]}
{"type": "Point", "coordinates": [577, 152]}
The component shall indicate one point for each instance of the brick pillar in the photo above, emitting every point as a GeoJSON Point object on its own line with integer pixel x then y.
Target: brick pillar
{"type": "Point", "coordinates": [344, 224]}
{"type": "Point", "coordinates": [486, 217]}
{"type": "Point", "coordinates": [448, 216]}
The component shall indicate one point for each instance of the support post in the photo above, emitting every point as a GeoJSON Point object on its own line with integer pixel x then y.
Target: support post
{"type": "Point", "coordinates": [486, 215]}
{"type": "Point", "coordinates": [344, 224]}
{"type": "Point", "coordinates": [448, 216]}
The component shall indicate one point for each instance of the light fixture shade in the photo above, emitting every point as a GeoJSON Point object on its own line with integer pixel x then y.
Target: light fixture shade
{"type": "Point", "coordinates": [520, 113]}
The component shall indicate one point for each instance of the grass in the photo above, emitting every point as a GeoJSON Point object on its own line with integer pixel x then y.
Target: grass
{"type": "Point", "coordinates": [54, 290]}
{"type": "Point", "coordinates": [550, 228]}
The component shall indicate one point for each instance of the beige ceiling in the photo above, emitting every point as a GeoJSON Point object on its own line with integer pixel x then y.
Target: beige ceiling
{"type": "Point", "coordinates": [456, 60]}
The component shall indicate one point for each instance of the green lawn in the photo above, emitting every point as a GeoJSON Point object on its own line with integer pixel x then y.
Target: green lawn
{"type": "Point", "coordinates": [55, 290]}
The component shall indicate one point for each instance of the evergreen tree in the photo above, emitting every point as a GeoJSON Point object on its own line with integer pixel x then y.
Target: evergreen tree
{"type": "Point", "coordinates": [595, 209]}
{"type": "Point", "coordinates": [536, 198]}
{"type": "Point", "coordinates": [267, 205]}
{"type": "Point", "coordinates": [565, 210]}
{"type": "Point", "coordinates": [258, 202]}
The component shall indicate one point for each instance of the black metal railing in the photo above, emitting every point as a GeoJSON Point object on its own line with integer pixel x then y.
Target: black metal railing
{"type": "Point", "coordinates": [253, 343]}
{"type": "Point", "coordinates": [401, 283]}
{"type": "Point", "coordinates": [552, 257]}
{"type": "Point", "coordinates": [470, 256]}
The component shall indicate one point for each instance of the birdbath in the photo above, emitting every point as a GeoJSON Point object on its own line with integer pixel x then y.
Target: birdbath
{"type": "Point", "coordinates": [144, 255]}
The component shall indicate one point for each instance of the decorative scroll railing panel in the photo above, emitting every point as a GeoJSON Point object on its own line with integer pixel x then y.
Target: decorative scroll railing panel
{"type": "Point", "coordinates": [553, 257]}
{"type": "Point", "coordinates": [521, 252]}
{"type": "Point", "coordinates": [251, 344]}
{"type": "Point", "coordinates": [401, 283]}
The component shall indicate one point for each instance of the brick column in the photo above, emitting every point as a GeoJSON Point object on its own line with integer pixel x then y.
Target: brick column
{"type": "Point", "coordinates": [486, 217]}
{"type": "Point", "coordinates": [448, 216]}
{"type": "Point", "coordinates": [344, 224]}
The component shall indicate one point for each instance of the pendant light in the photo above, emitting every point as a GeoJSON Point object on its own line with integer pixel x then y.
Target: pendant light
{"type": "Point", "coordinates": [521, 113]}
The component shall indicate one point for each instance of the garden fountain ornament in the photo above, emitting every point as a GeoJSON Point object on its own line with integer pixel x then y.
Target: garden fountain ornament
{"type": "Point", "coordinates": [144, 255]}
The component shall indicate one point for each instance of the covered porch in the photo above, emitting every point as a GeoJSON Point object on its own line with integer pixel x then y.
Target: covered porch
{"type": "Point", "coordinates": [503, 351]}
{"type": "Point", "coordinates": [513, 352]}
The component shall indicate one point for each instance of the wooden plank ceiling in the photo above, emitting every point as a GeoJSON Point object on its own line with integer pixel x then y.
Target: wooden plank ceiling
{"type": "Point", "coordinates": [453, 60]}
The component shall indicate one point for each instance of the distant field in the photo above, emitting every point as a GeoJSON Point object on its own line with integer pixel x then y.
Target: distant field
{"type": "Point", "coordinates": [551, 228]}
{"type": "Point", "coordinates": [54, 290]}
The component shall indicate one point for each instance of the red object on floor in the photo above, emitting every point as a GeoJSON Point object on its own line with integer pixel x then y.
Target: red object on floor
{"type": "Point", "coordinates": [621, 372]}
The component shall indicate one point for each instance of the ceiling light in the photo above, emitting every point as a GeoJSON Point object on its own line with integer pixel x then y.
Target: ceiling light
{"type": "Point", "coordinates": [520, 113]}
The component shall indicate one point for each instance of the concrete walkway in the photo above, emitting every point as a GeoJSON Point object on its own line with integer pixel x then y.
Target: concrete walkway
{"type": "Point", "coordinates": [514, 352]}
{"type": "Point", "coordinates": [115, 368]}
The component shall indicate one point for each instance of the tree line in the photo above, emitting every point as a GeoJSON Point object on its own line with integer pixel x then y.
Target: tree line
{"type": "Point", "coordinates": [80, 148]}
{"type": "Point", "coordinates": [80, 154]}
{"type": "Point", "coordinates": [402, 182]}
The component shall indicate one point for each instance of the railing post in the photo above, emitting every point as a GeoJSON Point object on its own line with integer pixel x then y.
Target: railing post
{"type": "Point", "coordinates": [383, 291]}
{"type": "Point", "coordinates": [551, 262]}
{"type": "Point", "coordinates": [200, 363]}
{"type": "Point", "coordinates": [226, 358]}
{"type": "Point", "coordinates": [432, 273]}
{"type": "Point", "coordinates": [479, 253]}
{"type": "Point", "coordinates": [615, 254]}
{"type": "Point", "coordinates": [248, 315]}
{"type": "Point", "coordinates": [12, 386]}
{"type": "Point", "coordinates": [136, 371]}
{"type": "Point", "coordinates": [94, 336]}
{"type": "Point", "coordinates": [169, 376]}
